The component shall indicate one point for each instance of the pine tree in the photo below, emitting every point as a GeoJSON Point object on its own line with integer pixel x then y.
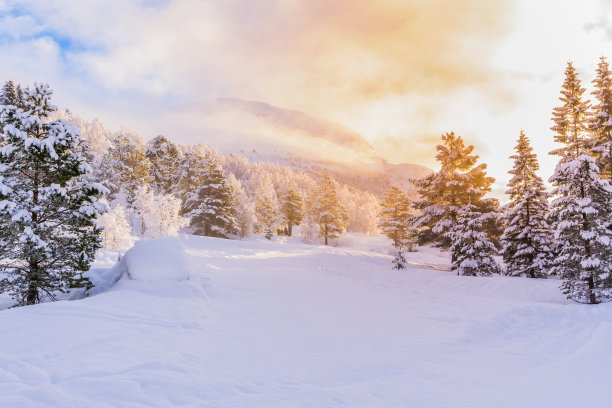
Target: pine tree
{"type": "Point", "coordinates": [210, 204]}
{"type": "Point", "coordinates": [266, 210]}
{"type": "Point", "coordinates": [125, 166]}
{"type": "Point", "coordinates": [12, 95]}
{"type": "Point", "coordinates": [399, 261]}
{"type": "Point", "coordinates": [472, 251]}
{"type": "Point", "coordinates": [459, 182]}
{"type": "Point", "coordinates": [394, 218]}
{"type": "Point", "coordinates": [571, 118]}
{"type": "Point", "coordinates": [47, 211]}
{"type": "Point", "coordinates": [164, 157]}
{"type": "Point", "coordinates": [600, 124]}
{"type": "Point", "coordinates": [527, 237]}
{"type": "Point", "coordinates": [581, 215]}
{"type": "Point", "coordinates": [292, 207]}
{"type": "Point", "coordinates": [326, 209]}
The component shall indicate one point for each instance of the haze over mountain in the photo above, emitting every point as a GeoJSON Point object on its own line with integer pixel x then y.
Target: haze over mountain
{"type": "Point", "coordinates": [263, 132]}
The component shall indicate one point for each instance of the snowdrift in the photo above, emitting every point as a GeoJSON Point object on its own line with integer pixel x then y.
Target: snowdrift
{"type": "Point", "coordinates": [161, 259]}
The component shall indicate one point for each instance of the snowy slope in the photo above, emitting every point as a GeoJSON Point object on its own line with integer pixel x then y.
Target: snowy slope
{"type": "Point", "coordinates": [265, 324]}
{"type": "Point", "coordinates": [263, 132]}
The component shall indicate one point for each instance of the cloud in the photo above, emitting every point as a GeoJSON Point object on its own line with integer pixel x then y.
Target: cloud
{"type": "Point", "coordinates": [315, 55]}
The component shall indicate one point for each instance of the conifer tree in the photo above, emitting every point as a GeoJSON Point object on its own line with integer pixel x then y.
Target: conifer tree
{"type": "Point", "coordinates": [47, 210]}
{"type": "Point", "coordinates": [210, 204]}
{"type": "Point", "coordinates": [581, 216]}
{"type": "Point", "coordinates": [266, 210]}
{"type": "Point", "coordinates": [472, 251]}
{"type": "Point", "coordinates": [164, 157]}
{"type": "Point", "coordinates": [580, 213]}
{"type": "Point", "coordinates": [459, 182]}
{"type": "Point", "coordinates": [600, 123]}
{"type": "Point", "coordinates": [527, 237]}
{"type": "Point", "coordinates": [125, 166]}
{"type": "Point", "coordinates": [394, 218]}
{"type": "Point", "coordinates": [571, 118]}
{"type": "Point", "coordinates": [326, 209]}
{"type": "Point", "coordinates": [292, 207]}
{"type": "Point", "coordinates": [12, 95]}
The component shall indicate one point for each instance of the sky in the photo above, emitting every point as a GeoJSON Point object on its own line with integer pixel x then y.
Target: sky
{"type": "Point", "coordinates": [400, 72]}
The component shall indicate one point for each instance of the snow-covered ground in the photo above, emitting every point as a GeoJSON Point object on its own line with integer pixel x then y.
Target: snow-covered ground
{"type": "Point", "coordinates": [220, 323]}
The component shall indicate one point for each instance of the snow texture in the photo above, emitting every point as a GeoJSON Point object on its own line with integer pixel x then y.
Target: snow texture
{"type": "Point", "coordinates": [267, 324]}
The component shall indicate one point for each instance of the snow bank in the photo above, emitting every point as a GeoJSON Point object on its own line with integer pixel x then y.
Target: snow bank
{"type": "Point", "coordinates": [161, 259]}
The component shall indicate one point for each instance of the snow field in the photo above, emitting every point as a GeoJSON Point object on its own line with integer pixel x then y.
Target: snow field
{"type": "Point", "coordinates": [283, 324]}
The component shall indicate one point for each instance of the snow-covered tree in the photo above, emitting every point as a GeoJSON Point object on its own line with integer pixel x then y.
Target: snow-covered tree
{"type": "Point", "coordinates": [164, 157]}
{"type": "Point", "coordinates": [399, 261]}
{"type": "Point", "coordinates": [210, 203]}
{"type": "Point", "coordinates": [527, 238]}
{"type": "Point", "coordinates": [459, 182]}
{"type": "Point", "coordinates": [394, 218]}
{"type": "Point", "coordinates": [571, 118]}
{"type": "Point", "coordinates": [244, 208]}
{"type": "Point", "coordinates": [48, 237]}
{"type": "Point", "coordinates": [115, 229]}
{"type": "Point", "coordinates": [125, 165]}
{"type": "Point", "coordinates": [600, 124]}
{"type": "Point", "coordinates": [291, 207]}
{"type": "Point", "coordinates": [266, 209]}
{"type": "Point", "coordinates": [326, 209]}
{"type": "Point", "coordinates": [472, 251]}
{"type": "Point", "coordinates": [581, 216]}
{"type": "Point", "coordinates": [12, 95]}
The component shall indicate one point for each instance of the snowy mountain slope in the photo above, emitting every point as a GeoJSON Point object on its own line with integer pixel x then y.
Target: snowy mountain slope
{"type": "Point", "coordinates": [263, 132]}
{"type": "Point", "coordinates": [265, 324]}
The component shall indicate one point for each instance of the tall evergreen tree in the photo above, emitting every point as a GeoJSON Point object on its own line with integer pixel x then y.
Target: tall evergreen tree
{"type": "Point", "coordinates": [164, 157]}
{"type": "Point", "coordinates": [125, 166]}
{"type": "Point", "coordinates": [326, 209]}
{"type": "Point", "coordinates": [571, 118]}
{"type": "Point", "coordinates": [581, 215]}
{"type": "Point", "coordinates": [527, 237]}
{"type": "Point", "coordinates": [394, 218]}
{"type": "Point", "coordinates": [601, 119]}
{"type": "Point", "coordinates": [12, 95]}
{"type": "Point", "coordinates": [210, 204]}
{"type": "Point", "coordinates": [292, 207]}
{"type": "Point", "coordinates": [472, 251]}
{"type": "Point", "coordinates": [266, 210]}
{"type": "Point", "coordinates": [48, 237]}
{"type": "Point", "coordinates": [459, 182]}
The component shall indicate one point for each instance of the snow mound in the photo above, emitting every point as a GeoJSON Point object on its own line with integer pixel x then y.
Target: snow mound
{"type": "Point", "coordinates": [161, 259]}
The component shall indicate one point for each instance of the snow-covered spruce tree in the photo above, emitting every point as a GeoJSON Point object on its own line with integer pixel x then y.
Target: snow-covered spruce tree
{"type": "Point", "coordinates": [47, 211]}
{"type": "Point", "coordinates": [399, 261]}
{"type": "Point", "coordinates": [165, 158]}
{"type": "Point", "coordinates": [600, 124]}
{"type": "Point", "coordinates": [394, 218]}
{"type": "Point", "coordinates": [12, 95]}
{"type": "Point", "coordinates": [292, 207]}
{"type": "Point", "coordinates": [210, 203]}
{"type": "Point", "coordinates": [571, 118]}
{"type": "Point", "coordinates": [581, 215]}
{"type": "Point", "coordinates": [115, 229]}
{"type": "Point", "coordinates": [472, 251]}
{"type": "Point", "coordinates": [459, 182]}
{"type": "Point", "coordinates": [326, 209]}
{"type": "Point", "coordinates": [244, 208]}
{"type": "Point", "coordinates": [125, 166]}
{"type": "Point", "coordinates": [266, 209]}
{"type": "Point", "coordinates": [527, 239]}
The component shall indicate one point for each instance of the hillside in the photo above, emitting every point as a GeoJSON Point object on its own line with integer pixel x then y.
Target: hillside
{"type": "Point", "coordinates": [263, 132]}
{"type": "Point", "coordinates": [204, 322]}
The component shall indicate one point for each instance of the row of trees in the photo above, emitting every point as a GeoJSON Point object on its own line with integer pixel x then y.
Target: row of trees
{"type": "Point", "coordinates": [570, 237]}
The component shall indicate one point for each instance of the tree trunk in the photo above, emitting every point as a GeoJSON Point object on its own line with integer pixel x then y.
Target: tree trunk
{"type": "Point", "coordinates": [289, 228]}
{"type": "Point", "coordinates": [325, 233]}
{"type": "Point", "coordinates": [32, 293]}
{"type": "Point", "coordinates": [591, 284]}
